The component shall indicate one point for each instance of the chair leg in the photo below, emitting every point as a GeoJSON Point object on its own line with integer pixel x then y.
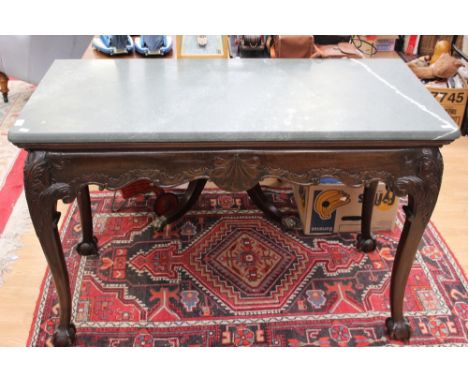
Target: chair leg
{"type": "Point", "coordinates": [190, 197]}
{"type": "Point", "coordinates": [263, 204]}
{"type": "Point", "coordinates": [269, 209]}
{"type": "Point", "coordinates": [4, 86]}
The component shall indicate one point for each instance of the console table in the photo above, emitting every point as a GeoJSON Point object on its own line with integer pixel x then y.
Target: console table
{"type": "Point", "coordinates": [234, 122]}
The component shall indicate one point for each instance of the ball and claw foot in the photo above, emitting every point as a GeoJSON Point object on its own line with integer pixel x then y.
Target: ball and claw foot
{"type": "Point", "coordinates": [289, 222]}
{"type": "Point", "coordinates": [88, 248]}
{"type": "Point", "coordinates": [64, 337]}
{"type": "Point", "coordinates": [398, 330]}
{"type": "Point", "coordinates": [159, 222]}
{"type": "Point", "coordinates": [366, 245]}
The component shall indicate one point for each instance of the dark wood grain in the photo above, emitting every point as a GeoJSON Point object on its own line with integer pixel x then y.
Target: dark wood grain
{"type": "Point", "coordinates": [265, 205]}
{"type": "Point", "coordinates": [88, 246]}
{"type": "Point", "coordinates": [365, 241]}
{"type": "Point", "coordinates": [42, 195]}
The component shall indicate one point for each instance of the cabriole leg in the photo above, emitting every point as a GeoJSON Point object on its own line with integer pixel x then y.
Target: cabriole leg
{"type": "Point", "coordinates": [365, 241]}
{"type": "Point", "coordinates": [42, 202]}
{"type": "Point", "coordinates": [422, 191]}
{"type": "Point", "coordinates": [88, 246]}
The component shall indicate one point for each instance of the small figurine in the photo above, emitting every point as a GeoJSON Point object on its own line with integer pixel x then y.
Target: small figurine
{"type": "Point", "coordinates": [202, 40]}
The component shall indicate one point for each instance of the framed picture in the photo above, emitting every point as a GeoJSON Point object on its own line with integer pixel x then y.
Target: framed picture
{"type": "Point", "coordinates": [214, 46]}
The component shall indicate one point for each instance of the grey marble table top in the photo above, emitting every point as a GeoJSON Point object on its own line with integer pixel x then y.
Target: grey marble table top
{"type": "Point", "coordinates": [107, 101]}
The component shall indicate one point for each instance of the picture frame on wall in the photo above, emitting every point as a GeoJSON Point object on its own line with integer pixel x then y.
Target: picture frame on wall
{"type": "Point", "coordinates": [209, 46]}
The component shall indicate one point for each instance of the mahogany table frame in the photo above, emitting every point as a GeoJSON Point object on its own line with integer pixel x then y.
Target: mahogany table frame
{"type": "Point", "coordinates": [63, 172]}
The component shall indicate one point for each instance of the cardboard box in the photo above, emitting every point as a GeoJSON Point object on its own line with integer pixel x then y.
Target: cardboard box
{"type": "Point", "coordinates": [453, 100]}
{"type": "Point", "coordinates": [382, 43]}
{"type": "Point", "coordinates": [385, 45]}
{"type": "Point", "coordinates": [333, 207]}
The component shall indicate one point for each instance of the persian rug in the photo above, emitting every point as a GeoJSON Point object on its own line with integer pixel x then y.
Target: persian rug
{"type": "Point", "coordinates": [18, 96]}
{"type": "Point", "coordinates": [224, 275]}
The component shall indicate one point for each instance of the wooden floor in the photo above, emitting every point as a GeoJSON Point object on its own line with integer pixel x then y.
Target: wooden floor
{"type": "Point", "coordinates": [451, 213]}
{"type": "Point", "coordinates": [20, 291]}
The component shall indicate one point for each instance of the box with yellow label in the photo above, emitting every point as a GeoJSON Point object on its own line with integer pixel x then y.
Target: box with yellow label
{"type": "Point", "coordinates": [334, 207]}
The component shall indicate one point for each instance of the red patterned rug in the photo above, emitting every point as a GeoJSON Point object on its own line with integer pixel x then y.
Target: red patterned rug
{"type": "Point", "coordinates": [225, 276]}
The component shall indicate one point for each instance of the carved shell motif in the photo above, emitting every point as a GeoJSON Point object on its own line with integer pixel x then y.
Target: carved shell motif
{"type": "Point", "coordinates": [235, 173]}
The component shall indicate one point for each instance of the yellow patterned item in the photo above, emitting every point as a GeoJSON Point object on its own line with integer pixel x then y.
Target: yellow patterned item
{"type": "Point", "coordinates": [328, 201]}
